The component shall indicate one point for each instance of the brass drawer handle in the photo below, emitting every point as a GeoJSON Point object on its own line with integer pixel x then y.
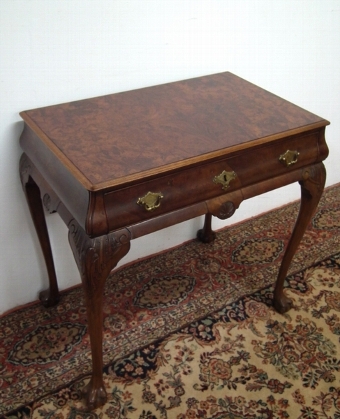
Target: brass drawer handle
{"type": "Point", "coordinates": [224, 179]}
{"type": "Point", "coordinates": [289, 157]}
{"type": "Point", "coordinates": [150, 201]}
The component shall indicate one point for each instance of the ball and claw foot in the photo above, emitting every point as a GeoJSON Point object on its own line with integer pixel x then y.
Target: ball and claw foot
{"type": "Point", "coordinates": [48, 299]}
{"type": "Point", "coordinates": [205, 237]}
{"type": "Point", "coordinates": [282, 304]}
{"type": "Point", "coordinates": [94, 396]}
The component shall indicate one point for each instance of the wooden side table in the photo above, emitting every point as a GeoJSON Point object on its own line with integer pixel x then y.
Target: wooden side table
{"type": "Point", "coordinates": [124, 165]}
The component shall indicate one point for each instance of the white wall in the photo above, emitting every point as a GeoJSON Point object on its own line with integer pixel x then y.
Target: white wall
{"type": "Point", "coordinates": [54, 51]}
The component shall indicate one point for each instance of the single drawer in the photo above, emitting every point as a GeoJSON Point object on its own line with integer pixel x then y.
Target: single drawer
{"type": "Point", "coordinates": [270, 160]}
{"type": "Point", "coordinates": [178, 190]}
{"type": "Point", "coordinates": [202, 182]}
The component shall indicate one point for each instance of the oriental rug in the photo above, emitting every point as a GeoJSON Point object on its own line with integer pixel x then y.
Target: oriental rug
{"type": "Point", "coordinates": [191, 333]}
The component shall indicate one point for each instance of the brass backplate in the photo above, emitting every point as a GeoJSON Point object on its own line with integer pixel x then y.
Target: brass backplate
{"type": "Point", "coordinates": [151, 200]}
{"type": "Point", "coordinates": [289, 157]}
{"type": "Point", "coordinates": [224, 179]}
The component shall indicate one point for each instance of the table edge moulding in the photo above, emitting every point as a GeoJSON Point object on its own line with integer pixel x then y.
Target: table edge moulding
{"type": "Point", "coordinates": [124, 165]}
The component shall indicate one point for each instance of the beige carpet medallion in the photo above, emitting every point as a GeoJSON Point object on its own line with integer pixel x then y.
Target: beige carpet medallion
{"type": "Point", "coordinates": [191, 333]}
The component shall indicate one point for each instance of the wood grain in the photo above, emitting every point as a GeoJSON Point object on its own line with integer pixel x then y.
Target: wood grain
{"type": "Point", "coordinates": [134, 134]}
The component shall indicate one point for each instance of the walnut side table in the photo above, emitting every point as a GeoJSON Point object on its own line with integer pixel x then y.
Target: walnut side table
{"type": "Point", "coordinates": [121, 166]}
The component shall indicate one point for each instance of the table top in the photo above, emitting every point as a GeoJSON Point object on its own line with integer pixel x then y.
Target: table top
{"type": "Point", "coordinates": [112, 140]}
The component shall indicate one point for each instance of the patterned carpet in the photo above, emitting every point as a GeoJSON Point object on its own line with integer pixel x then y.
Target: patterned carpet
{"type": "Point", "coordinates": [191, 333]}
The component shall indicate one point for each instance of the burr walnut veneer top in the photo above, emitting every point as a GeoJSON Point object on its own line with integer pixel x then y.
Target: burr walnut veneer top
{"type": "Point", "coordinates": [133, 135]}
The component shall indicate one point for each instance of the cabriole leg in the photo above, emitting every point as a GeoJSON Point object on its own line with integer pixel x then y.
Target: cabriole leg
{"type": "Point", "coordinates": [312, 186]}
{"type": "Point", "coordinates": [206, 234]}
{"type": "Point", "coordinates": [222, 209]}
{"type": "Point", "coordinates": [51, 296]}
{"type": "Point", "coordinates": [95, 259]}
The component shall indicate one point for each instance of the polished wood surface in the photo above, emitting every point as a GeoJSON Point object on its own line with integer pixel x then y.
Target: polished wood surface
{"type": "Point", "coordinates": [194, 147]}
{"type": "Point", "coordinates": [133, 135]}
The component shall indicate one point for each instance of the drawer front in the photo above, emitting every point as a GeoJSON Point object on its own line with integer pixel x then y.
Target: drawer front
{"type": "Point", "coordinates": [267, 161]}
{"type": "Point", "coordinates": [133, 204]}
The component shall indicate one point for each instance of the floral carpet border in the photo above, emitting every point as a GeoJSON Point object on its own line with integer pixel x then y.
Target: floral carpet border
{"type": "Point", "coordinates": [243, 258]}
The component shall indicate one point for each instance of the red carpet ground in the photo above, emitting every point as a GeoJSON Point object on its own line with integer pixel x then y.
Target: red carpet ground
{"type": "Point", "coordinates": [191, 333]}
